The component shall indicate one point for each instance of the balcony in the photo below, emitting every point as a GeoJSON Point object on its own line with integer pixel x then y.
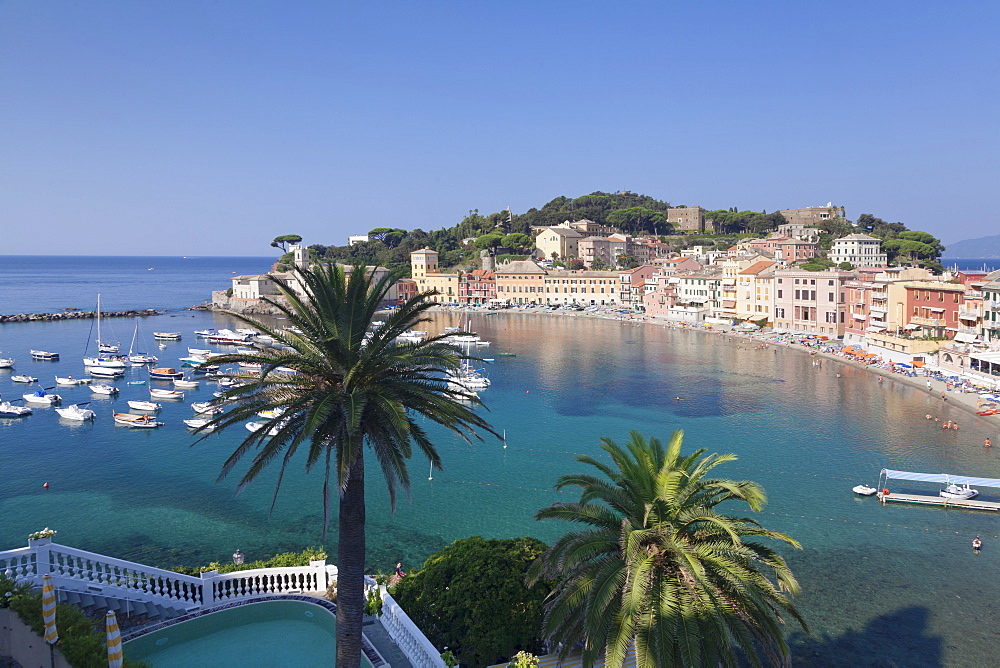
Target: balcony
{"type": "Point", "coordinates": [927, 322]}
{"type": "Point", "coordinates": [968, 314]}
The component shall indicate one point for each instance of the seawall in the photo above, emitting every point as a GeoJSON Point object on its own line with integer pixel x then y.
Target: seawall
{"type": "Point", "coordinates": [76, 315]}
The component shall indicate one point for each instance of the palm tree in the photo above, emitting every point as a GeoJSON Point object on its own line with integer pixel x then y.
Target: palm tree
{"type": "Point", "coordinates": [658, 568]}
{"type": "Point", "coordinates": [338, 391]}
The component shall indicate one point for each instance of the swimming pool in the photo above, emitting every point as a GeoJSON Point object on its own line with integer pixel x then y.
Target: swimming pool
{"type": "Point", "coordinates": [268, 633]}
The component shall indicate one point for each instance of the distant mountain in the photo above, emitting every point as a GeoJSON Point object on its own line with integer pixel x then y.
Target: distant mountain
{"type": "Point", "coordinates": [983, 247]}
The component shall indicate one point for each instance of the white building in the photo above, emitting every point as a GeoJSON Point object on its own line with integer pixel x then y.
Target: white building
{"type": "Point", "coordinates": [860, 250]}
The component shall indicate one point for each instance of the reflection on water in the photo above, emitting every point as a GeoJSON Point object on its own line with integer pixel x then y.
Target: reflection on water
{"type": "Point", "coordinates": [805, 434]}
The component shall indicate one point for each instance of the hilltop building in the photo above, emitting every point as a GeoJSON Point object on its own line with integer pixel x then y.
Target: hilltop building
{"type": "Point", "coordinates": [686, 218]}
{"type": "Point", "coordinates": [813, 215]}
{"type": "Point", "coordinates": [860, 250]}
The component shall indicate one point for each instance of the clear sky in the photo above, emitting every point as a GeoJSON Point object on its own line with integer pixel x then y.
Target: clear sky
{"type": "Point", "coordinates": [210, 127]}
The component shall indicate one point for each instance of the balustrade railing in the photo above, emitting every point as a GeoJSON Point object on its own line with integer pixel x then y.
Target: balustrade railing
{"type": "Point", "coordinates": [87, 572]}
{"type": "Point", "coordinates": [407, 636]}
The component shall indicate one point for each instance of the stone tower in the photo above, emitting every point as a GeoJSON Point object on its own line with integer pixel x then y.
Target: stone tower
{"type": "Point", "coordinates": [300, 255]}
{"type": "Point", "coordinates": [487, 260]}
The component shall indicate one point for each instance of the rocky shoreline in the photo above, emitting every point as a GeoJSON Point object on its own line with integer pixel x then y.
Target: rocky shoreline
{"type": "Point", "coordinates": [77, 315]}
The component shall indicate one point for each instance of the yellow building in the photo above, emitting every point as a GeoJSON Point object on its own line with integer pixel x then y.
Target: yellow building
{"type": "Point", "coordinates": [590, 288]}
{"type": "Point", "coordinates": [424, 271]}
{"type": "Point", "coordinates": [520, 282]}
{"type": "Point", "coordinates": [754, 299]}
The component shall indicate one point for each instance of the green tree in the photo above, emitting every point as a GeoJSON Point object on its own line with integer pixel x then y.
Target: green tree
{"type": "Point", "coordinates": [347, 393]}
{"type": "Point", "coordinates": [284, 240]}
{"type": "Point", "coordinates": [517, 241]}
{"type": "Point", "coordinates": [637, 219]}
{"type": "Point", "coordinates": [658, 567]}
{"type": "Point", "coordinates": [471, 597]}
{"type": "Point", "coordinates": [489, 241]}
{"type": "Point", "coordinates": [598, 264]}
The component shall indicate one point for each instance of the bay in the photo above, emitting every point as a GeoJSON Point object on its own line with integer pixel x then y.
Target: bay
{"type": "Point", "coordinates": [880, 584]}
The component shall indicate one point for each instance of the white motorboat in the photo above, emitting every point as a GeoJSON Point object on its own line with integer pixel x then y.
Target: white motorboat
{"type": "Point", "coordinates": [864, 490]}
{"type": "Point", "coordinates": [44, 355]}
{"type": "Point", "coordinates": [7, 409]}
{"type": "Point", "coordinates": [165, 394]}
{"type": "Point", "coordinates": [269, 414]}
{"type": "Point", "coordinates": [144, 405]}
{"type": "Point", "coordinates": [76, 412]}
{"type": "Point", "coordinates": [201, 352]}
{"type": "Point", "coordinates": [186, 383]}
{"type": "Point", "coordinates": [23, 378]}
{"type": "Point", "coordinates": [6, 362]}
{"type": "Point", "coordinates": [255, 426]}
{"type": "Point", "coordinates": [205, 408]}
{"type": "Point", "coordinates": [107, 361]}
{"type": "Point", "coordinates": [104, 389]}
{"type": "Point", "coordinates": [954, 491]}
{"type": "Point", "coordinates": [167, 336]}
{"type": "Point", "coordinates": [105, 372]}
{"type": "Point", "coordinates": [193, 360]}
{"type": "Point", "coordinates": [138, 421]}
{"type": "Point", "coordinates": [70, 381]}
{"type": "Point", "coordinates": [197, 423]}
{"type": "Point", "coordinates": [204, 332]}
{"type": "Point", "coordinates": [42, 397]}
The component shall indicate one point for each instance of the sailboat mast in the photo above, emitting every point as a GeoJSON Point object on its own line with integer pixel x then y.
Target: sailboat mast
{"type": "Point", "coordinates": [98, 324]}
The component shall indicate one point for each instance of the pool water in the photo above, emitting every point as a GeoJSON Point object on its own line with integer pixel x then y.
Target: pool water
{"type": "Point", "coordinates": [271, 633]}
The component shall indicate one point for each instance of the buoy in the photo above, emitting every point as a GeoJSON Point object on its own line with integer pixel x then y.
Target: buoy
{"type": "Point", "coordinates": [527, 391]}
{"type": "Point", "coordinates": [45, 485]}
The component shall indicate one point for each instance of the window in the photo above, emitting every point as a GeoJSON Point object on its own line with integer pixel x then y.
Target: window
{"type": "Point", "coordinates": [831, 316]}
{"type": "Point", "coordinates": [829, 297]}
{"type": "Point", "coordinates": [829, 282]}
{"type": "Point", "coordinates": [779, 292]}
{"type": "Point", "coordinates": [940, 296]}
{"type": "Point", "coordinates": [779, 313]}
{"type": "Point", "coordinates": [812, 294]}
{"type": "Point", "coordinates": [916, 310]}
{"type": "Point", "coordinates": [812, 281]}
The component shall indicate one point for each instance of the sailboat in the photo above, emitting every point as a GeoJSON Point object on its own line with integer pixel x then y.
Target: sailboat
{"type": "Point", "coordinates": [105, 351]}
{"type": "Point", "coordinates": [136, 357]}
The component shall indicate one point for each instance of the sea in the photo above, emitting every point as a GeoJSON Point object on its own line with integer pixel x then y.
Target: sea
{"type": "Point", "coordinates": [894, 585]}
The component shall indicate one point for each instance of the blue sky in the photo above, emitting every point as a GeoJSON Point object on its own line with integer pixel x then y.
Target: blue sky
{"type": "Point", "coordinates": [159, 128]}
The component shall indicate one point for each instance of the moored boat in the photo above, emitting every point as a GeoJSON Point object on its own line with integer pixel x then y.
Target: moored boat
{"type": "Point", "coordinates": [42, 397]}
{"type": "Point", "coordinates": [954, 491]}
{"type": "Point", "coordinates": [76, 412]}
{"type": "Point", "coordinates": [139, 421]}
{"type": "Point", "coordinates": [197, 423]}
{"type": "Point", "coordinates": [165, 394]}
{"type": "Point", "coordinates": [105, 372]}
{"type": "Point", "coordinates": [7, 409]}
{"type": "Point", "coordinates": [104, 389]}
{"type": "Point", "coordinates": [23, 378]}
{"type": "Point", "coordinates": [165, 373]}
{"type": "Point", "coordinates": [864, 490]}
{"type": "Point", "coordinates": [70, 381]}
{"type": "Point", "coordinates": [44, 355]}
{"type": "Point", "coordinates": [186, 383]}
{"type": "Point", "coordinates": [144, 405]}
{"type": "Point", "coordinates": [205, 408]}
{"type": "Point", "coordinates": [6, 362]}
{"type": "Point", "coordinates": [167, 336]}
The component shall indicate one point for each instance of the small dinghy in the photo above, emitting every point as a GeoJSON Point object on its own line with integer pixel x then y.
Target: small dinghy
{"type": "Point", "coordinates": [864, 490]}
{"type": "Point", "coordinates": [199, 424]}
{"type": "Point", "coordinates": [107, 390]}
{"type": "Point", "coordinates": [23, 378]}
{"type": "Point", "coordinates": [166, 394]}
{"type": "Point", "coordinates": [8, 409]}
{"type": "Point", "coordinates": [186, 383]}
{"type": "Point", "coordinates": [144, 405]}
{"type": "Point", "coordinates": [205, 408]}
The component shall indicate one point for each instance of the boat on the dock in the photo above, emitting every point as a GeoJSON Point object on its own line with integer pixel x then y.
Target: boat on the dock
{"type": "Point", "coordinates": [954, 491]}
{"type": "Point", "coordinates": [76, 412]}
{"type": "Point", "coordinates": [864, 490]}
{"type": "Point", "coordinates": [44, 355]}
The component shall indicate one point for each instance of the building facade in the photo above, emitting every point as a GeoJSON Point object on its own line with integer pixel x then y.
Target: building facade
{"type": "Point", "coordinates": [686, 219]}
{"type": "Point", "coordinates": [860, 250]}
{"type": "Point", "coordinates": [811, 302]}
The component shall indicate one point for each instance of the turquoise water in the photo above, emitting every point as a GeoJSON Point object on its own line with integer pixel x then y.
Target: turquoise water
{"type": "Point", "coordinates": [275, 633]}
{"type": "Point", "coordinates": [880, 584]}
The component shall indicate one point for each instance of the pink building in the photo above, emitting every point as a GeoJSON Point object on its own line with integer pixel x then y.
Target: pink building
{"type": "Point", "coordinates": [811, 302]}
{"type": "Point", "coordinates": [786, 248]}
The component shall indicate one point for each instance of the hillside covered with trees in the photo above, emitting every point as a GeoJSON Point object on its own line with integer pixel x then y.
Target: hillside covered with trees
{"type": "Point", "coordinates": [504, 233]}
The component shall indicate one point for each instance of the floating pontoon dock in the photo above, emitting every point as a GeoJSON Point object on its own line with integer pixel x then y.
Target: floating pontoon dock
{"type": "Point", "coordinates": [886, 496]}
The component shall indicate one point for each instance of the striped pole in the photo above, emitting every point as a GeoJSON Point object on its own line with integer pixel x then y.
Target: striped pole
{"type": "Point", "coordinates": [49, 609]}
{"type": "Point", "coordinates": [114, 640]}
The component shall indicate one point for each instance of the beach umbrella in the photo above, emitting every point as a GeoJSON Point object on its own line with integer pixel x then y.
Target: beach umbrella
{"type": "Point", "coordinates": [114, 640]}
{"type": "Point", "coordinates": [49, 609]}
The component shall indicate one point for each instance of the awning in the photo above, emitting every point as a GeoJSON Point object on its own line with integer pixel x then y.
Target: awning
{"type": "Point", "coordinates": [941, 478]}
{"type": "Point", "coordinates": [875, 329]}
{"type": "Point", "coordinates": [862, 318]}
{"type": "Point", "coordinates": [935, 308]}
{"type": "Point", "coordinates": [912, 326]}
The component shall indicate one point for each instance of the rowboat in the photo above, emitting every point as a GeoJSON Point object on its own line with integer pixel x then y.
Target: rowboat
{"type": "Point", "coordinates": [144, 405]}
{"type": "Point", "coordinates": [139, 421]}
{"type": "Point", "coordinates": [206, 408]}
{"type": "Point", "coordinates": [167, 336]}
{"type": "Point", "coordinates": [188, 384]}
{"type": "Point", "coordinates": [165, 394]}
{"type": "Point", "coordinates": [197, 423]}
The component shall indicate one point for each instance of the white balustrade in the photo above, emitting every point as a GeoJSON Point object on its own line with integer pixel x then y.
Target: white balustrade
{"type": "Point", "coordinates": [415, 645]}
{"type": "Point", "coordinates": [18, 564]}
{"type": "Point", "coordinates": [310, 579]}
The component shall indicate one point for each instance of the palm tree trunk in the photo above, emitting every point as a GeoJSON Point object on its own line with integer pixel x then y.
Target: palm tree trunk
{"type": "Point", "coordinates": [351, 567]}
